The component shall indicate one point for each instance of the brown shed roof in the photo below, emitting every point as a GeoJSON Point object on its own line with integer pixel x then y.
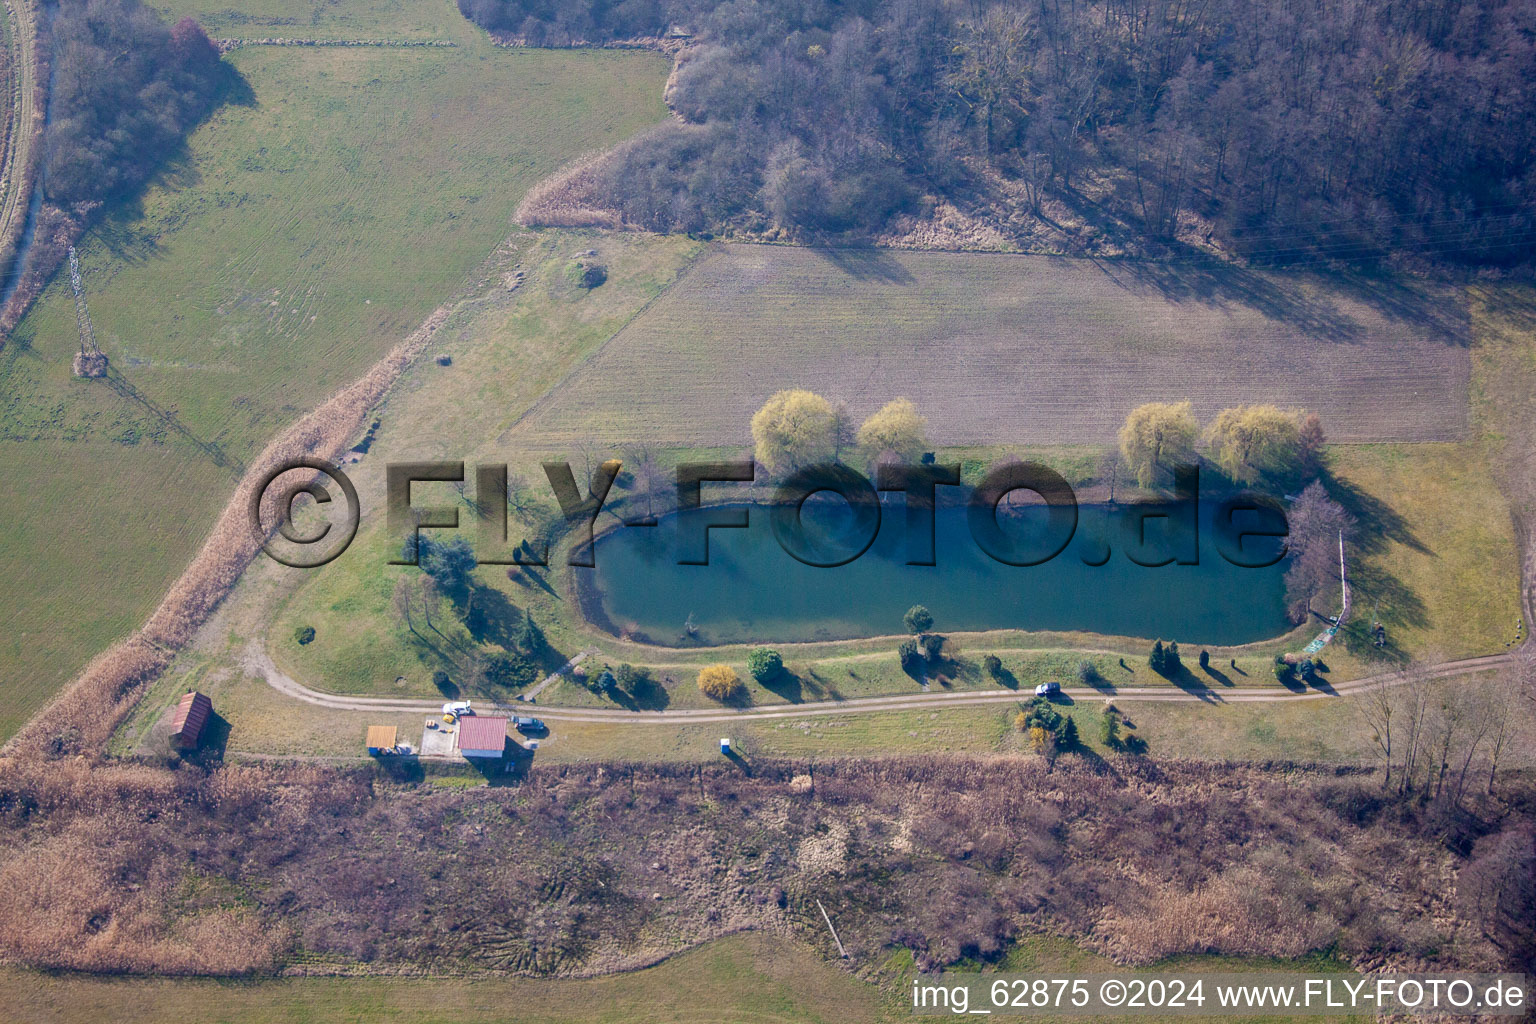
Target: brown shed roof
{"type": "Point", "coordinates": [191, 715]}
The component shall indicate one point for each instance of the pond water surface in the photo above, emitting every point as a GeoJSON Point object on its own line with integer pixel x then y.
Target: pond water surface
{"type": "Point", "coordinates": [753, 590]}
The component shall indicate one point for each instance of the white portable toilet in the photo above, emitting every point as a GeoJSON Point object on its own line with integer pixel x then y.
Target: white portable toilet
{"type": "Point", "coordinates": [725, 745]}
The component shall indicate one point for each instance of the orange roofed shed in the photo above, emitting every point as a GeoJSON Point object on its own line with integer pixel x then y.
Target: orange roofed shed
{"type": "Point", "coordinates": [192, 715]}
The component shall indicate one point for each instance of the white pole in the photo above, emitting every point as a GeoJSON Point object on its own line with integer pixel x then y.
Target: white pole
{"type": "Point", "coordinates": [840, 950]}
{"type": "Point", "coordinates": [1343, 579]}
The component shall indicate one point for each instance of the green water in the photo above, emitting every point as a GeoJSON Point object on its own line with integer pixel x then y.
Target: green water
{"type": "Point", "coordinates": [752, 590]}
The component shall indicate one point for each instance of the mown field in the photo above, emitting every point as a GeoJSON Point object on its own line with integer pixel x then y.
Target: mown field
{"type": "Point", "coordinates": [325, 19]}
{"type": "Point", "coordinates": [998, 349]}
{"type": "Point", "coordinates": [310, 226]}
{"type": "Point", "coordinates": [749, 977]}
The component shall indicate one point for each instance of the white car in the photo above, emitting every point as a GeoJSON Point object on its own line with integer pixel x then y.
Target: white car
{"type": "Point", "coordinates": [1047, 689]}
{"type": "Point", "coordinates": [456, 708]}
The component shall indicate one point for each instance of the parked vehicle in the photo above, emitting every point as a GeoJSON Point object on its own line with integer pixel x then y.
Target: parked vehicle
{"type": "Point", "coordinates": [1047, 689]}
{"type": "Point", "coordinates": [455, 708]}
{"type": "Point", "coordinates": [522, 723]}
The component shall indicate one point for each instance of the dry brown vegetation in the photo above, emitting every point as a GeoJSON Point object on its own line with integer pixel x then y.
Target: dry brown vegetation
{"type": "Point", "coordinates": [84, 714]}
{"type": "Point", "coordinates": [570, 198]}
{"type": "Point", "coordinates": [592, 868]}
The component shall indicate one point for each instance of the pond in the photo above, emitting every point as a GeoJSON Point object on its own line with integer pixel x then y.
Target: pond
{"type": "Point", "coordinates": [753, 590]}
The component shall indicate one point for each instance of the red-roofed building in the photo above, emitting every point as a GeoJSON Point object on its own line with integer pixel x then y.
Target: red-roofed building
{"type": "Point", "coordinates": [191, 715]}
{"type": "Point", "coordinates": [482, 736]}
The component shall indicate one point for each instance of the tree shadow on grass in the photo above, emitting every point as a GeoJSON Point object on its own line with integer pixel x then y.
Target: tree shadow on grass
{"type": "Point", "coordinates": [814, 686]}
{"type": "Point", "coordinates": [866, 263]}
{"type": "Point", "coordinates": [1196, 278]}
{"type": "Point", "coordinates": [1098, 681]}
{"type": "Point", "coordinates": [1218, 675]}
{"type": "Point", "coordinates": [650, 695]}
{"type": "Point", "coordinates": [1376, 522]}
{"type": "Point", "coordinates": [492, 618]}
{"type": "Point", "coordinates": [1187, 681]}
{"type": "Point", "coordinates": [211, 743]}
{"type": "Point", "coordinates": [787, 686]}
{"type": "Point", "coordinates": [527, 577]}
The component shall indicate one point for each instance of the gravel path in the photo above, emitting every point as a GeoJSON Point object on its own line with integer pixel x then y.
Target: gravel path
{"type": "Point", "coordinates": [257, 662]}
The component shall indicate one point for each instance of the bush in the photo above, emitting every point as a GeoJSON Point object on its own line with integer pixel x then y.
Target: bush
{"type": "Point", "coordinates": [1205, 659]}
{"type": "Point", "coordinates": [933, 646]}
{"type": "Point", "coordinates": [587, 275]}
{"type": "Point", "coordinates": [993, 665]}
{"type": "Point", "coordinates": [1109, 727]}
{"type": "Point", "coordinates": [765, 664]}
{"type": "Point", "coordinates": [510, 670]}
{"type": "Point", "coordinates": [629, 676]}
{"type": "Point", "coordinates": [918, 619]}
{"type": "Point", "coordinates": [911, 657]}
{"type": "Point", "coordinates": [304, 635]}
{"type": "Point", "coordinates": [1087, 672]}
{"type": "Point", "coordinates": [529, 638]}
{"type": "Point", "coordinates": [719, 682]}
{"type": "Point", "coordinates": [1040, 715]}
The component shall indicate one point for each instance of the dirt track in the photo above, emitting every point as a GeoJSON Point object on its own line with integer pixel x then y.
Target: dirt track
{"type": "Point", "coordinates": [18, 155]}
{"type": "Point", "coordinates": [256, 661]}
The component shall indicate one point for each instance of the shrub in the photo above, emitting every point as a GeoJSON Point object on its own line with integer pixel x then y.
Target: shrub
{"type": "Point", "coordinates": [629, 676]}
{"type": "Point", "coordinates": [1109, 727]}
{"type": "Point", "coordinates": [719, 682]}
{"type": "Point", "coordinates": [529, 638]}
{"type": "Point", "coordinates": [765, 664]}
{"type": "Point", "coordinates": [911, 657]}
{"type": "Point", "coordinates": [1158, 659]}
{"type": "Point", "coordinates": [993, 665]}
{"type": "Point", "coordinates": [918, 619]}
{"type": "Point", "coordinates": [1284, 671]}
{"type": "Point", "coordinates": [304, 635]}
{"type": "Point", "coordinates": [1087, 672]}
{"type": "Point", "coordinates": [1041, 715]}
{"type": "Point", "coordinates": [510, 670]}
{"type": "Point", "coordinates": [1171, 663]}
{"type": "Point", "coordinates": [1205, 659]}
{"type": "Point", "coordinates": [933, 646]}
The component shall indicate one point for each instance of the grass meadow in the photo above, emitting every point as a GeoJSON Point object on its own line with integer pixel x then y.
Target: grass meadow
{"type": "Point", "coordinates": [747, 977]}
{"type": "Point", "coordinates": [326, 19]}
{"type": "Point", "coordinates": [309, 226]}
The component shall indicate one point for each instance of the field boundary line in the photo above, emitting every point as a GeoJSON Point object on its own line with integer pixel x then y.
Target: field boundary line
{"type": "Point", "coordinates": [708, 252]}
